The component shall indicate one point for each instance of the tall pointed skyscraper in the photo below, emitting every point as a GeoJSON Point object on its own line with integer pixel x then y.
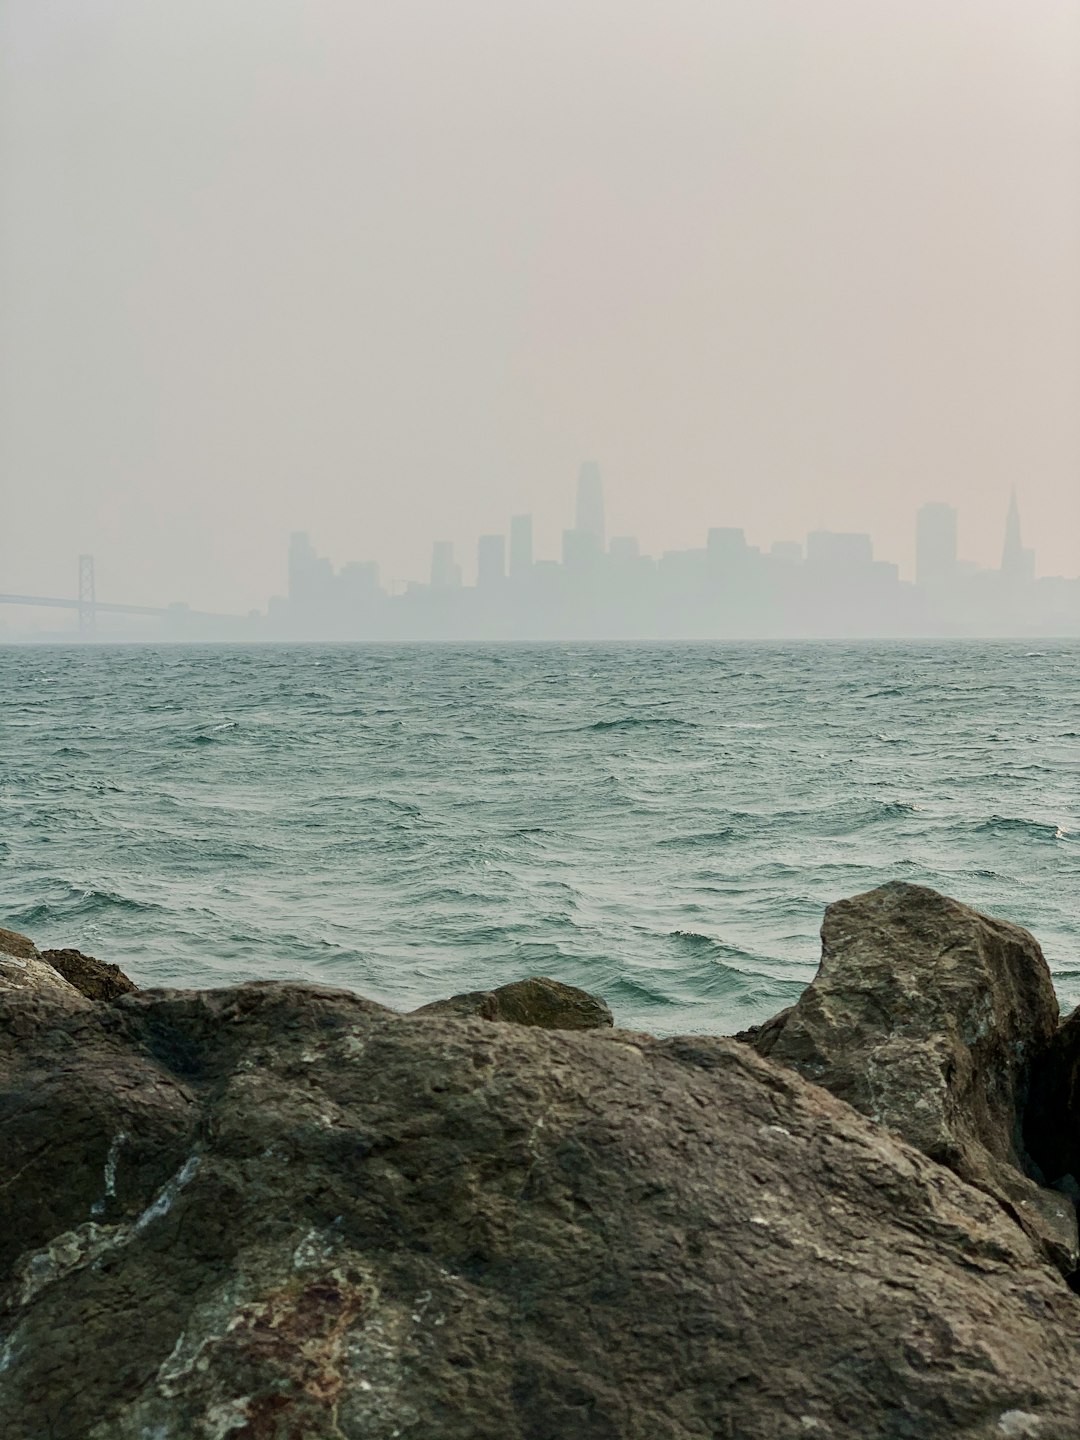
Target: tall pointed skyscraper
{"type": "Point", "coordinates": [1016, 562]}
{"type": "Point", "coordinates": [590, 503]}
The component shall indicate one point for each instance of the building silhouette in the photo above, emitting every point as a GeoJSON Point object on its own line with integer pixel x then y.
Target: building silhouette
{"type": "Point", "coordinates": [445, 572]}
{"type": "Point", "coordinates": [521, 545]}
{"type": "Point", "coordinates": [490, 560]}
{"type": "Point", "coordinates": [589, 519]}
{"type": "Point", "coordinates": [581, 551]}
{"type": "Point", "coordinates": [311, 577]}
{"type": "Point", "coordinates": [1017, 564]}
{"type": "Point", "coordinates": [936, 554]}
{"type": "Point", "coordinates": [829, 585]}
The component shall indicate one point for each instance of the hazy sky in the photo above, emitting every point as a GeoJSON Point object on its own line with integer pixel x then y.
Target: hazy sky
{"type": "Point", "coordinates": [389, 271]}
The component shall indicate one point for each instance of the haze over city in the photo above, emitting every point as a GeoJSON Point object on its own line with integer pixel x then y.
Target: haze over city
{"type": "Point", "coordinates": [387, 275]}
{"type": "Point", "coordinates": [606, 587]}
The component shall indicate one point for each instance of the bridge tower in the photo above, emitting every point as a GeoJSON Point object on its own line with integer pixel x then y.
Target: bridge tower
{"type": "Point", "coordinates": [87, 599]}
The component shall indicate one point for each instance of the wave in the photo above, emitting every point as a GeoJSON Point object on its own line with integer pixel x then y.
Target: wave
{"type": "Point", "coordinates": [635, 722]}
{"type": "Point", "coordinates": [207, 734]}
{"type": "Point", "coordinates": [81, 903]}
{"type": "Point", "coordinates": [1015, 825]}
{"type": "Point", "coordinates": [693, 942]}
{"type": "Point", "coordinates": [603, 798]}
{"type": "Point", "coordinates": [698, 839]}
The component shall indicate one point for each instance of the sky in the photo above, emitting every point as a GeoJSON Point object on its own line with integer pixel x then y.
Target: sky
{"type": "Point", "coordinates": [389, 272]}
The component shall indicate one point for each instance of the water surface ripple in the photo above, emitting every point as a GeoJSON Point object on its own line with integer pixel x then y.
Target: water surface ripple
{"type": "Point", "coordinates": [660, 824]}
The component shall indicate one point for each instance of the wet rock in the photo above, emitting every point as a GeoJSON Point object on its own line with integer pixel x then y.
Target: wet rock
{"type": "Point", "coordinates": [93, 978]}
{"type": "Point", "coordinates": [927, 1016]}
{"type": "Point", "coordinates": [538, 1001]}
{"type": "Point", "coordinates": [279, 1211]}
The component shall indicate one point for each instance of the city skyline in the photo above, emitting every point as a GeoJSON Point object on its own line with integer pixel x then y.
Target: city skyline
{"type": "Point", "coordinates": [830, 582]}
{"type": "Point", "coordinates": [766, 276]}
{"type": "Point", "coordinates": [937, 528]}
{"type": "Point", "coordinates": [609, 586]}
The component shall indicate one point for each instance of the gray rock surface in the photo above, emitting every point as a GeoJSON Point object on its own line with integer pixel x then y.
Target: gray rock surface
{"type": "Point", "coordinates": [927, 1016]}
{"type": "Point", "coordinates": [23, 968]}
{"type": "Point", "coordinates": [278, 1212]}
{"type": "Point", "coordinates": [16, 945]}
{"type": "Point", "coordinates": [536, 1001]}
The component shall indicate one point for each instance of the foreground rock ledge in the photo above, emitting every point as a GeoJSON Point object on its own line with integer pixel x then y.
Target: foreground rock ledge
{"type": "Point", "coordinates": [278, 1211]}
{"type": "Point", "coordinates": [281, 1211]}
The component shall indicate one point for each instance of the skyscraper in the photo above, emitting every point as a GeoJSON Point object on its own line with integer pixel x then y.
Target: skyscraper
{"type": "Point", "coordinates": [311, 577]}
{"type": "Point", "coordinates": [445, 574]}
{"type": "Point", "coordinates": [490, 560]}
{"type": "Point", "coordinates": [590, 503]}
{"type": "Point", "coordinates": [1017, 564]}
{"type": "Point", "coordinates": [935, 545]}
{"type": "Point", "coordinates": [726, 547]}
{"type": "Point", "coordinates": [301, 563]}
{"type": "Point", "coordinates": [580, 552]}
{"type": "Point", "coordinates": [521, 545]}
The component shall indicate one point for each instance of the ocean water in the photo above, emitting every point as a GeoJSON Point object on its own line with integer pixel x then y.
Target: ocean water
{"type": "Point", "coordinates": [661, 824]}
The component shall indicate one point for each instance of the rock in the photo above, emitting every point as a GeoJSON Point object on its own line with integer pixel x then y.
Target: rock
{"type": "Point", "coordinates": [34, 974]}
{"type": "Point", "coordinates": [537, 1001]}
{"type": "Point", "coordinates": [23, 968]}
{"type": "Point", "coordinates": [926, 1016]}
{"type": "Point", "coordinates": [280, 1211]}
{"type": "Point", "coordinates": [93, 978]}
{"type": "Point", "coordinates": [1052, 1117]}
{"type": "Point", "coordinates": [12, 943]}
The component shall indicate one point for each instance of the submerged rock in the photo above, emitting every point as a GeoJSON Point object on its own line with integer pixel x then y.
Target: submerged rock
{"type": "Point", "coordinates": [538, 1001]}
{"type": "Point", "coordinates": [278, 1211]}
{"type": "Point", "coordinates": [93, 978]}
{"type": "Point", "coordinates": [928, 1016]}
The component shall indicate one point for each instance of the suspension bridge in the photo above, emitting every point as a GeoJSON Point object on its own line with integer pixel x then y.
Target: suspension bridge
{"type": "Point", "coordinates": [88, 607]}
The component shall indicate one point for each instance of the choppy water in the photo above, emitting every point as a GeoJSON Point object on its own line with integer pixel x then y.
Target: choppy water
{"type": "Point", "coordinates": [660, 824]}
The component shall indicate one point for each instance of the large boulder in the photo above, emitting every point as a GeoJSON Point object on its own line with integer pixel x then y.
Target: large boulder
{"type": "Point", "coordinates": [536, 1001]}
{"type": "Point", "coordinates": [927, 1016]}
{"type": "Point", "coordinates": [278, 1211]}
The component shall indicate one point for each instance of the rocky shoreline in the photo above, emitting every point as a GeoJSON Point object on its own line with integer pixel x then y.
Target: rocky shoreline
{"type": "Point", "coordinates": [278, 1211]}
